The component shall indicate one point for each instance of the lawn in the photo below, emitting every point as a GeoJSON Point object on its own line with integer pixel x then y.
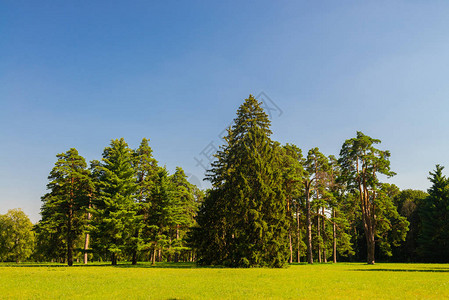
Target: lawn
{"type": "Point", "coordinates": [185, 281]}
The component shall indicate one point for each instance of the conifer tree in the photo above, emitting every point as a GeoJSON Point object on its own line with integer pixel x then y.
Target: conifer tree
{"type": "Point", "coordinates": [145, 167]}
{"type": "Point", "coordinates": [115, 219]}
{"type": "Point", "coordinates": [247, 174]}
{"type": "Point", "coordinates": [361, 164]}
{"type": "Point", "coordinates": [184, 215]}
{"type": "Point", "coordinates": [293, 173]}
{"type": "Point", "coordinates": [64, 207]}
{"type": "Point", "coordinates": [434, 214]}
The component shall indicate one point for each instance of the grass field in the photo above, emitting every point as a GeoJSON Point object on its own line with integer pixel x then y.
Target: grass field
{"type": "Point", "coordinates": [185, 281]}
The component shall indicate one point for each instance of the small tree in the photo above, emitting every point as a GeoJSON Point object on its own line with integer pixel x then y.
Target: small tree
{"type": "Point", "coordinates": [16, 236]}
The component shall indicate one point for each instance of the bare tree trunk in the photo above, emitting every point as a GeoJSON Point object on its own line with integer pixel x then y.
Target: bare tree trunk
{"type": "Point", "coordinates": [318, 232]}
{"type": "Point", "coordinates": [69, 242]}
{"type": "Point", "coordinates": [87, 237]}
{"type": "Point", "coordinates": [113, 259]}
{"type": "Point", "coordinates": [177, 238]}
{"type": "Point", "coordinates": [290, 245]}
{"type": "Point", "coordinates": [298, 234]}
{"type": "Point", "coordinates": [334, 236]}
{"type": "Point", "coordinates": [309, 226]}
{"type": "Point", "coordinates": [324, 236]}
{"type": "Point", "coordinates": [153, 257]}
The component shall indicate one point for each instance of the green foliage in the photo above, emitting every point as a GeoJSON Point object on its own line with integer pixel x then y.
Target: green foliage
{"type": "Point", "coordinates": [361, 163]}
{"type": "Point", "coordinates": [115, 219]}
{"type": "Point", "coordinates": [434, 214]}
{"type": "Point", "coordinates": [64, 206]}
{"type": "Point", "coordinates": [16, 236]}
{"type": "Point", "coordinates": [250, 230]}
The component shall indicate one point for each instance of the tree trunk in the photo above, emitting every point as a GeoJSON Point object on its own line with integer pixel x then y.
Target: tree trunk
{"type": "Point", "coordinates": [86, 246]}
{"type": "Point", "coordinates": [318, 232]}
{"type": "Point", "coordinates": [290, 245]}
{"type": "Point", "coordinates": [114, 259]}
{"type": "Point", "coordinates": [134, 259]}
{"type": "Point", "coordinates": [334, 236]}
{"type": "Point", "coordinates": [153, 257]}
{"type": "Point", "coordinates": [177, 238]}
{"type": "Point", "coordinates": [324, 236]}
{"type": "Point", "coordinates": [69, 241]}
{"type": "Point", "coordinates": [309, 227]}
{"type": "Point", "coordinates": [86, 239]}
{"type": "Point", "coordinates": [298, 234]}
{"type": "Point", "coordinates": [370, 246]}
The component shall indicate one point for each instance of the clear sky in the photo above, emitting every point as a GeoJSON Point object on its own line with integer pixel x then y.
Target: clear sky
{"type": "Point", "coordinates": [80, 73]}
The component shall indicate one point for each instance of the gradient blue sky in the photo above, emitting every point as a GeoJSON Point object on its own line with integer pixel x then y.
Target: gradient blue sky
{"type": "Point", "coordinates": [79, 73]}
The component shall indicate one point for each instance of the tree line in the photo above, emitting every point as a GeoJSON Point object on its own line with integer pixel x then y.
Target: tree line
{"type": "Point", "coordinates": [269, 204]}
{"type": "Point", "coordinates": [122, 207]}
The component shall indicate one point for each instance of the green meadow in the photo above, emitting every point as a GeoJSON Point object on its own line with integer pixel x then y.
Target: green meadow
{"type": "Point", "coordinates": [186, 281]}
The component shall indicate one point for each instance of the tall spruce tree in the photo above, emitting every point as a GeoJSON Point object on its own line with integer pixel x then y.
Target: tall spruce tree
{"type": "Point", "coordinates": [434, 213]}
{"type": "Point", "coordinates": [115, 218]}
{"type": "Point", "coordinates": [64, 207]}
{"type": "Point", "coordinates": [252, 228]}
{"type": "Point", "coordinates": [145, 167]}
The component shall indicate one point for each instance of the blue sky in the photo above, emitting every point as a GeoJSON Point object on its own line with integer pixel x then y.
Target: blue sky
{"type": "Point", "coordinates": [80, 73]}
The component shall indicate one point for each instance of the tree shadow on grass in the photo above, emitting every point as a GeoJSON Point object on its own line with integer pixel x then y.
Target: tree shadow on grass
{"type": "Point", "coordinates": [429, 270]}
{"type": "Point", "coordinates": [124, 265]}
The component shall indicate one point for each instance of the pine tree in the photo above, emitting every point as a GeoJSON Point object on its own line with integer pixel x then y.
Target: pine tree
{"type": "Point", "coordinates": [361, 163]}
{"type": "Point", "coordinates": [293, 173]}
{"type": "Point", "coordinates": [247, 174]}
{"type": "Point", "coordinates": [64, 207]}
{"type": "Point", "coordinates": [115, 219]}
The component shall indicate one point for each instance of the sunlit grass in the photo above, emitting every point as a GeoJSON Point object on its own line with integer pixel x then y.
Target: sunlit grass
{"type": "Point", "coordinates": [185, 281]}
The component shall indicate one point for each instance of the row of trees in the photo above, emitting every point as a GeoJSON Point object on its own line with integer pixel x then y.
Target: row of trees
{"type": "Point", "coordinates": [269, 204]}
{"type": "Point", "coordinates": [123, 206]}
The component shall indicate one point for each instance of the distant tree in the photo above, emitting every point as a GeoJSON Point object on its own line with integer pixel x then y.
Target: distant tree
{"type": "Point", "coordinates": [361, 163]}
{"type": "Point", "coordinates": [16, 236]}
{"type": "Point", "coordinates": [434, 214]}
{"type": "Point", "coordinates": [64, 207]}
{"type": "Point", "coordinates": [252, 230]}
{"type": "Point", "coordinates": [115, 218]}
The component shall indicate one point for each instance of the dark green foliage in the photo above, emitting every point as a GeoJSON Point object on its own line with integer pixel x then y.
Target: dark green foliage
{"type": "Point", "coordinates": [64, 207]}
{"type": "Point", "coordinates": [115, 218]}
{"type": "Point", "coordinates": [247, 190]}
{"type": "Point", "coordinates": [361, 163]}
{"type": "Point", "coordinates": [434, 214]}
{"type": "Point", "coordinates": [409, 203]}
